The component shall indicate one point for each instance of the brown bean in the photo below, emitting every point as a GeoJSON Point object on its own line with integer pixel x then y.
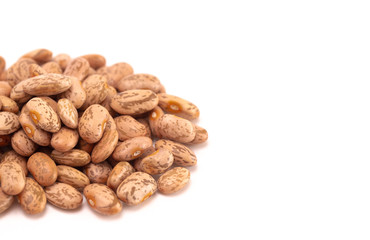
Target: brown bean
{"type": "Point", "coordinates": [95, 60]}
{"type": "Point", "coordinates": [131, 148]}
{"type": "Point", "coordinates": [8, 123]}
{"type": "Point", "coordinates": [32, 199]}
{"type": "Point", "coordinates": [105, 147]}
{"type": "Point", "coordinates": [183, 156]}
{"type": "Point", "coordinates": [178, 106]}
{"type": "Point", "coordinates": [8, 105]}
{"type": "Point", "coordinates": [12, 156]}
{"type": "Point", "coordinates": [137, 161]}
{"type": "Point", "coordinates": [78, 68]}
{"type": "Point", "coordinates": [6, 201]}
{"type": "Point", "coordinates": [12, 177]}
{"type": "Point", "coordinates": [67, 113]}
{"type": "Point", "coordinates": [173, 180]}
{"type": "Point", "coordinates": [4, 140]}
{"type": "Point", "coordinates": [76, 94]}
{"type": "Point", "coordinates": [139, 81]}
{"type": "Point", "coordinates": [128, 127]}
{"type": "Point", "coordinates": [47, 84]}
{"type": "Point", "coordinates": [102, 199]}
{"type": "Point", "coordinates": [134, 102]}
{"type": "Point", "coordinates": [63, 196]}
{"type": "Point", "coordinates": [95, 87]}
{"type": "Point", "coordinates": [42, 168]}
{"type": "Point", "coordinates": [39, 55]}
{"type": "Point", "coordinates": [176, 128]}
{"type": "Point", "coordinates": [22, 144]}
{"type": "Point", "coordinates": [201, 135]}
{"type": "Point", "coordinates": [157, 162]}
{"type": "Point", "coordinates": [98, 172]}
{"type": "Point", "coordinates": [136, 188]}
{"type": "Point", "coordinates": [92, 123]}
{"type": "Point", "coordinates": [85, 146]}
{"type": "Point", "coordinates": [43, 115]}
{"type": "Point", "coordinates": [72, 176]}
{"type": "Point", "coordinates": [64, 140]}
{"type": "Point", "coordinates": [121, 171]}
{"type": "Point", "coordinates": [73, 158]}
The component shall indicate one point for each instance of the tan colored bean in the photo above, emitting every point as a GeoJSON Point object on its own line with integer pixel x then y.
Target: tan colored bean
{"type": "Point", "coordinates": [3, 76]}
{"type": "Point", "coordinates": [18, 94]}
{"type": "Point", "coordinates": [36, 70]}
{"type": "Point", "coordinates": [4, 140]}
{"type": "Point", "coordinates": [102, 199]}
{"type": "Point", "coordinates": [105, 147]}
{"type": "Point", "coordinates": [6, 201]}
{"type": "Point", "coordinates": [12, 177]}
{"type": "Point", "coordinates": [183, 156]}
{"type": "Point", "coordinates": [116, 72]}
{"type": "Point", "coordinates": [157, 162]}
{"type": "Point", "coordinates": [98, 172]}
{"type": "Point", "coordinates": [154, 117]}
{"type": "Point", "coordinates": [65, 139]}
{"type": "Point", "coordinates": [39, 55]}
{"type": "Point", "coordinates": [2, 64]}
{"type": "Point", "coordinates": [35, 133]}
{"type": "Point", "coordinates": [76, 94]}
{"type": "Point", "coordinates": [67, 113]}
{"type": "Point", "coordinates": [63, 60]}
{"type": "Point", "coordinates": [173, 180]}
{"type": "Point", "coordinates": [8, 123]}
{"type": "Point", "coordinates": [19, 71]}
{"type": "Point", "coordinates": [78, 68]}
{"type": "Point", "coordinates": [52, 103]}
{"type": "Point", "coordinates": [136, 188]}
{"type": "Point", "coordinates": [43, 115]}
{"type": "Point", "coordinates": [72, 176]}
{"type": "Point", "coordinates": [139, 81]}
{"type": "Point", "coordinates": [111, 91]}
{"type": "Point", "coordinates": [92, 123]}
{"type": "Point", "coordinates": [52, 67]}
{"type": "Point", "coordinates": [63, 196]}
{"type": "Point", "coordinates": [5, 89]}
{"type": "Point", "coordinates": [42, 168]}
{"type": "Point", "coordinates": [201, 135]}
{"type": "Point", "coordinates": [95, 60]}
{"type": "Point", "coordinates": [73, 158]}
{"type": "Point", "coordinates": [178, 106]}
{"type": "Point", "coordinates": [22, 144]}
{"type": "Point", "coordinates": [95, 87]}
{"type": "Point", "coordinates": [137, 161]}
{"type": "Point", "coordinates": [121, 171]}
{"type": "Point", "coordinates": [134, 102]}
{"type": "Point", "coordinates": [32, 199]}
{"type": "Point", "coordinates": [131, 148]}
{"type": "Point", "coordinates": [128, 127]}
{"type": "Point", "coordinates": [47, 84]}
{"type": "Point", "coordinates": [12, 156]}
{"type": "Point", "coordinates": [175, 128]}
{"type": "Point", "coordinates": [8, 105]}
{"type": "Point", "coordinates": [85, 146]}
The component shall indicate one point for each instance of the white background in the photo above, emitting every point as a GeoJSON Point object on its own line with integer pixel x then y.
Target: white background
{"type": "Point", "coordinates": [283, 89]}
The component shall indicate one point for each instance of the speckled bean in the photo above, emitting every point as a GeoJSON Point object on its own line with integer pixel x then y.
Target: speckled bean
{"type": "Point", "coordinates": [42, 168]}
{"type": "Point", "coordinates": [139, 81]}
{"type": "Point", "coordinates": [12, 177]}
{"type": "Point", "coordinates": [116, 72]}
{"type": "Point", "coordinates": [73, 158]}
{"type": "Point", "coordinates": [18, 94]}
{"type": "Point", "coordinates": [131, 148]}
{"type": "Point", "coordinates": [76, 94]}
{"type": "Point", "coordinates": [78, 68]}
{"type": "Point", "coordinates": [111, 91]}
{"type": "Point", "coordinates": [63, 196]}
{"type": "Point", "coordinates": [8, 123]}
{"type": "Point", "coordinates": [52, 67]}
{"type": "Point", "coordinates": [72, 176]}
{"type": "Point", "coordinates": [95, 87]}
{"type": "Point", "coordinates": [41, 55]}
{"type": "Point", "coordinates": [92, 123]}
{"type": "Point", "coordinates": [154, 117]}
{"type": "Point", "coordinates": [128, 127]}
{"type": "Point", "coordinates": [35, 133]}
{"type": "Point", "coordinates": [98, 172]}
{"type": "Point", "coordinates": [134, 102]}
{"type": "Point", "coordinates": [32, 199]}
{"type": "Point", "coordinates": [175, 128]}
{"type": "Point", "coordinates": [12, 156]}
{"type": "Point", "coordinates": [121, 171]}
{"type": "Point", "coordinates": [62, 60]}
{"type": "Point", "coordinates": [47, 84]}
{"type": "Point", "coordinates": [67, 113]}
{"type": "Point", "coordinates": [36, 70]}
{"type": "Point", "coordinates": [183, 156]}
{"type": "Point", "coordinates": [173, 180]}
{"type": "Point", "coordinates": [105, 147]}
{"type": "Point", "coordinates": [22, 144]}
{"type": "Point", "coordinates": [6, 201]}
{"type": "Point", "coordinates": [157, 162]}
{"type": "Point", "coordinates": [102, 199]}
{"type": "Point", "coordinates": [43, 115]}
{"type": "Point", "coordinates": [136, 188]}
{"type": "Point", "coordinates": [95, 60]}
{"type": "Point", "coordinates": [64, 140]}
{"type": "Point", "coordinates": [51, 102]}
{"type": "Point", "coordinates": [19, 71]}
{"type": "Point", "coordinates": [178, 106]}
{"type": "Point", "coordinates": [201, 135]}
{"type": "Point", "coordinates": [8, 104]}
